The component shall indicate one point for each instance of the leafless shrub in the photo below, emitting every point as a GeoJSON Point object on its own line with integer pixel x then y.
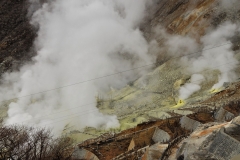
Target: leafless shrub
{"type": "Point", "coordinates": [19, 142]}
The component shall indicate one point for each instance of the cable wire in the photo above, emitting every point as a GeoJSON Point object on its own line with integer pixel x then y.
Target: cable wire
{"type": "Point", "coordinates": [96, 110]}
{"type": "Point", "coordinates": [81, 82]}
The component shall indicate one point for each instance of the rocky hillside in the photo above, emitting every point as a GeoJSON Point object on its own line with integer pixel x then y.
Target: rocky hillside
{"type": "Point", "coordinates": [161, 127]}
{"type": "Point", "coordinates": [155, 94]}
{"type": "Point", "coordinates": [16, 35]}
{"type": "Point", "coordinates": [197, 136]}
{"type": "Point", "coordinates": [155, 122]}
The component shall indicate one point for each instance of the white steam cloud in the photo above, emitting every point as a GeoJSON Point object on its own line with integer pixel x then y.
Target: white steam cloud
{"type": "Point", "coordinates": [216, 55]}
{"type": "Point", "coordinates": [212, 52]}
{"type": "Point", "coordinates": [220, 57]}
{"type": "Point", "coordinates": [77, 40]}
{"type": "Point", "coordinates": [189, 88]}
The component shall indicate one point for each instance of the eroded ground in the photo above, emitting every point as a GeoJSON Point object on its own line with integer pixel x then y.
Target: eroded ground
{"type": "Point", "coordinates": [121, 144]}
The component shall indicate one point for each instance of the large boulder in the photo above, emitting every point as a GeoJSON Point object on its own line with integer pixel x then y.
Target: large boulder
{"type": "Point", "coordinates": [224, 146]}
{"type": "Point", "coordinates": [154, 152]}
{"type": "Point", "coordinates": [83, 154]}
{"type": "Point", "coordinates": [160, 136]}
{"type": "Point", "coordinates": [189, 123]}
{"type": "Point", "coordinates": [223, 115]}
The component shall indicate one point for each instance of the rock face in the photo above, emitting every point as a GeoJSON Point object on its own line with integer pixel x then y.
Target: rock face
{"type": "Point", "coordinates": [224, 146]}
{"type": "Point", "coordinates": [80, 154]}
{"type": "Point", "coordinates": [188, 123]}
{"type": "Point", "coordinates": [160, 136]}
{"type": "Point", "coordinates": [236, 121]}
{"type": "Point", "coordinates": [16, 35]}
{"type": "Point", "coordinates": [212, 141]}
{"type": "Point", "coordinates": [154, 152]}
{"type": "Point", "coordinates": [176, 17]}
{"type": "Point", "coordinates": [199, 135]}
{"type": "Point", "coordinates": [223, 115]}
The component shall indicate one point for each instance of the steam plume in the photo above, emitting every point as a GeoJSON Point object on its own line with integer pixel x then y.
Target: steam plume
{"type": "Point", "coordinates": [219, 58]}
{"type": "Point", "coordinates": [189, 88]}
{"type": "Point", "coordinates": [77, 41]}
{"type": "Point", "coordinates": [216, 54]}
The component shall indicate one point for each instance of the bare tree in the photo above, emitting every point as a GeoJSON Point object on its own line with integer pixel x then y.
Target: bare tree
{"type": "Point", "coordinates": [19, 142]}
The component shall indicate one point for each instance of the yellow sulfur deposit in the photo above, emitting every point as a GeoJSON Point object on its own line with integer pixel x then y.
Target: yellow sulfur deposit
{"type": "Point", "coordinates": [215, 90]}
{"type": "Point", "coordinates": [180, 103]}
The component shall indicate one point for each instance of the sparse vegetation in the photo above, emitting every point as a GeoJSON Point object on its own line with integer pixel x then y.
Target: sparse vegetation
{"type": "Point", "coordinates": [28, 143]}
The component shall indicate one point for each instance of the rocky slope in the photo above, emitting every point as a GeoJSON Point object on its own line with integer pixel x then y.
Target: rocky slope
{"type": "Point", "coordinates": [200, 135]}
{"type": "Point", "coordinates": [195, 129]}
{"type": "Point", "coordinates": [16, 35]}
{"type": "Point", "coordinates": [154, 125]}
{"type": "Point", "coordinates": [155, 94]}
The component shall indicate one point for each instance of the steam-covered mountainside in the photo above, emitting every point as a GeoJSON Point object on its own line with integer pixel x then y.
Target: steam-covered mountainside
{"type": "Point", "coordinates": [185, 73]}
{"type": "Point", "coordinates": [183, 92]}
{"type": "Point", "coordinates": [125, 79]}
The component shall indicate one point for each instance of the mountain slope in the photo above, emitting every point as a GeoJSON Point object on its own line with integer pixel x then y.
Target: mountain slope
{"type": "Point", "coordinates": [16, 35]}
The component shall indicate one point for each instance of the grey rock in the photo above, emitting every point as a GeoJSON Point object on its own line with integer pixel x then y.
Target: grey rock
{"type": "Point", "coordinates": [160, 136]}
{"type": "Point", "coordinates": [223, 115]}
{"type": "Point", "coordinates": [224, 147]}
{"type": "Point", "coordinates": [189, 123]}
{"type": "Point", "coordinates": [80, 153]}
